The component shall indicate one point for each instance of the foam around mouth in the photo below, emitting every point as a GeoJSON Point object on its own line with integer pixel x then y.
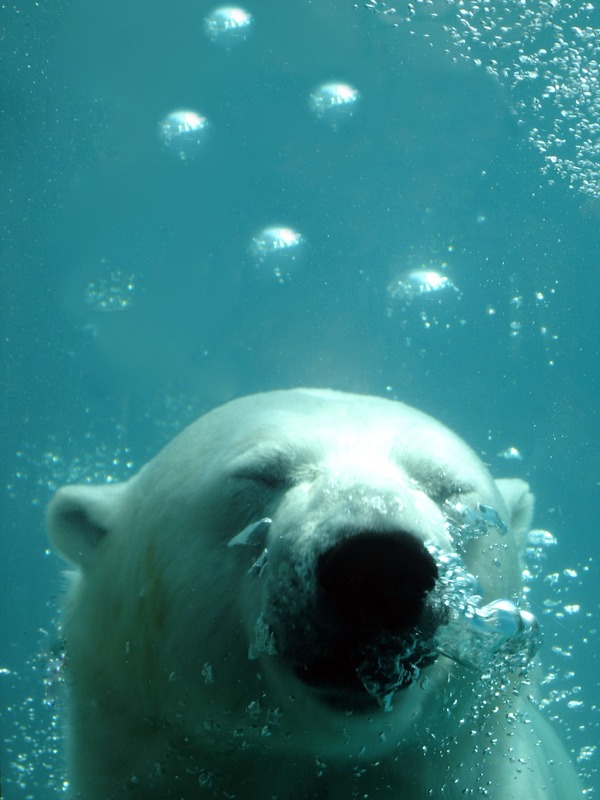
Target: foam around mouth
{"type": "Point", "coordinates": [384, 672]}
{"type": "Point", "coordinates": [369, 679]}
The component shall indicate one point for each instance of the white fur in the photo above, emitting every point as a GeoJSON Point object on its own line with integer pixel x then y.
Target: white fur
{"type": "Point", "coordinates": [163, 699]}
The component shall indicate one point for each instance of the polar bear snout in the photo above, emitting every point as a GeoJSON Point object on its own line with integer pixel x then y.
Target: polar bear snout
{"type": "Point", "coordinates": [376, 581]}
{"type": "Point", "coordinates": [365, 626]}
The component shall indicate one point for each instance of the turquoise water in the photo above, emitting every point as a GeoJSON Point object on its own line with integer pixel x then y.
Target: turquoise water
{"type": "Point", "coordinates": [427, 228]}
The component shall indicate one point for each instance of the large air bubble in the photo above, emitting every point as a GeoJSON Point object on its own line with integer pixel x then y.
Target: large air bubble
{"type": "Point", "coordinates": [334, 102]}
{"type": "Point", "coordinates": [228, 25]}
{"type": "Point", "coordinates": [184, 133]}
{"type": "Point", "coordinates": [276, 252]}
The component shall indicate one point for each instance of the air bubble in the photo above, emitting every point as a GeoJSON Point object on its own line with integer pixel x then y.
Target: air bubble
{"type": "Point", "coordinates": [208, 673]}
{"type": "Point", "coordinates": [511, 454]}
{"type": "Point", "coordinates": [334, 102]}
{"type": "Point", "coordinates": [418, 282]}
{"type": "Point", "coordinates": [184, 133]}
{"type": "Point", "coordinates": [228, 25]}
{"type": "Point", "coordinates": [586, 753]}
{"type": "Point", "coordinates": [276, 251]}
{"type": "Point", "coordinates": [540, 538]}
{"type": "Point", "coordinates": [465, 522]}
{"type": "Point", "coordinates": [205, 779]}
{"type": "Point", "coordinates": [264, 640]}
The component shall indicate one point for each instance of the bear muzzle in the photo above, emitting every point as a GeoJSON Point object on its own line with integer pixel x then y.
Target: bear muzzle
{"type": "Point", "coordinates": [369, 631]}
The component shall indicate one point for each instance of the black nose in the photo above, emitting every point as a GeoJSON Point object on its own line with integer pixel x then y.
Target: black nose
{"type": "Point", "coordinates": [377, 580]}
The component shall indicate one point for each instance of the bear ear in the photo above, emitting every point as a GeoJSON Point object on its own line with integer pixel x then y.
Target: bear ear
{"type": "Point", "coordinates": [79, 517]}
{"type": "Point", "coordinates": [520, 504]}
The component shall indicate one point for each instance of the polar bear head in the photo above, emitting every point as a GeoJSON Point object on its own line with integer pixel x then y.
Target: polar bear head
{"type": "Point", "coordinates": [276, 570]}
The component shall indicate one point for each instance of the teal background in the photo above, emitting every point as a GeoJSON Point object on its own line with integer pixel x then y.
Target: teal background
{"type": "Point", "coordinates": [438, 166]}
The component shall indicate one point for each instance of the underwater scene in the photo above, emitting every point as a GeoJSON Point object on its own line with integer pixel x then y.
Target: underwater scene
{"type": "Point", "coordinates": [387, 590]}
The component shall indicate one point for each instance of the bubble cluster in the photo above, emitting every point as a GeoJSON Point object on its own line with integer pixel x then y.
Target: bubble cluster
{"type": "Point", "coordinates": [264, 640]}
{"type": "Point", "coordinates": [466, 522]}
{"type": "Point", "coordinates": [44, 472]}
{"type": "Point", "coordinates": [112, 291]}
{"type": "Point", "coordinates": [547, 54]}
{"type": "Point", "coordinates": [498, 633]}
{"type": "Point", "coordinates": [33, 746]}
{"type": "Point", "coordinates": [418, 9]}
{"type": "Point", "coordinates": [559, 593]}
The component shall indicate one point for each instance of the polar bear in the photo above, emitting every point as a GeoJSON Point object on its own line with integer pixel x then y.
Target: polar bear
{"type": "Point", "coordinates": [286, 604]}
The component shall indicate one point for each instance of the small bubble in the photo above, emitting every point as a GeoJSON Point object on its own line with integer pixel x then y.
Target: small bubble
{"type": "Point", "coordinates": [552, 578]}
{"type": "Point", "coordinates": [334, 102]}
{"type": "Point", "coordinates": [228, 25]}
{"type": "Point", "coordinates": [208, 674]}
{"type": "Point", "coordinates": [515, 328]}
{"type": "Point", "coordinates": [540, 538]}
{"type": "Point", "coordinates": [253, 708]}
{"type": "Point", "coordinates": [511, 454]}
{"type": "Point", "coordinates": [516, 302]}
{"type": "Point", "coordinates": [184, 133]}
{"type": "Point", "coordinates": [205, 779]}
{"type": "Point", "coordinates": [570, 573]}
{"type": "Point", "coordinates": [586, 753]}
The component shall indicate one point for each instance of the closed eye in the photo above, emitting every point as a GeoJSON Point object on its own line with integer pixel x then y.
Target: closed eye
{"type": "Point", "coordinates": [271, 469]}
{"type": "Point", "coordinates": [449, 492]}
{"type": "Point", "coordinates": [265, 476]}
{"type": "Point", "coordinates": [443, 488]}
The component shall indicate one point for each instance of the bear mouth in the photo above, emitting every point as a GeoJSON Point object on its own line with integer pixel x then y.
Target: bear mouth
{"type": "Point", "coordinates": [336, 684]}
{"type": "Point", "coordinates": [367, 680]}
